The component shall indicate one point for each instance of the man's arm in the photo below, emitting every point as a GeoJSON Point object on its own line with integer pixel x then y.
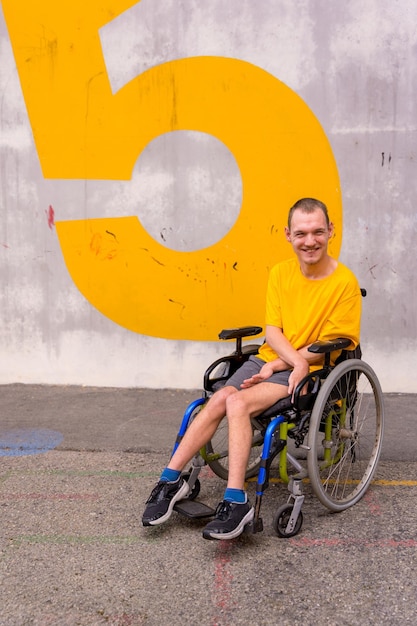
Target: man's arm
{"type": "Point", "coordinates": [297, 360]}
{"type": "Point", "coordinates": [289, 357]}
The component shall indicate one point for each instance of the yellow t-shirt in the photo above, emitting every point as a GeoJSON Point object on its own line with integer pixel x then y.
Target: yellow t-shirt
{"type": "Point", "coordinates": [310, 310]}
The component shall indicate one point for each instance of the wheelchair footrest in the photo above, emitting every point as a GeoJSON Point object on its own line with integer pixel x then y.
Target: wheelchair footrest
{"type": "Point", "coordinates": [193, 509]}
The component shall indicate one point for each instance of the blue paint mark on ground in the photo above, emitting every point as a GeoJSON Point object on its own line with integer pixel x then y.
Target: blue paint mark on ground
{"type": "Point", "coordinates": [24, 441]}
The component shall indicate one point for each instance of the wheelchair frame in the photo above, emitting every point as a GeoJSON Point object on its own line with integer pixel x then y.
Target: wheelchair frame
{"type": "Point", "coordinates": [329, 423]}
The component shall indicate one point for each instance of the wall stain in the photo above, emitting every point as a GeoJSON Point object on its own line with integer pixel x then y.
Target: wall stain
{"type": "Point", "coordinates": [371, 268]}
{"type": "Point", "coordinates": [383, 159]}
{"type": "Point", "coordinates": [112, 234]}
{"type": "Point", "coordinates": [50, 214]}
{"type": "Point", "coordinates": [102, 248]}
{"type": "Point", "coordinates": [178, 304]}
{"type": "Point", "coordinates": [152, 257]}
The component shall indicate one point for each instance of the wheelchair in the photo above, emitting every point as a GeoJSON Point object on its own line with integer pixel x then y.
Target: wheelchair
{"type": "Point", "coordinates": [335, 432]}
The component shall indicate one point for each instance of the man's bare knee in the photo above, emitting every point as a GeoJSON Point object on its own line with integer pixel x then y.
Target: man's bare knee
{"type": "Point", "coordinates": [221, 396]}
{"type": "Point", "coordinates": [236, 403]}
{"type": "Point", "coordinates": [215, 409]}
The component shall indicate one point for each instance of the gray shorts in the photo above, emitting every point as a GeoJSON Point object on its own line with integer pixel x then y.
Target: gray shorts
{"type": "Point", "coordinates": [253, 366]}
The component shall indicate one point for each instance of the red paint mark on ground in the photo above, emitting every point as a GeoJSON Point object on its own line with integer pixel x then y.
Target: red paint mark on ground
{"type": "Point", "coordinates": [372, 503]}
{"type": "Point", "coordinates": [48, 496]}
{"type": "Point", "coordinates": [207, 472]}
{"type": "Point", "coordinates": [222, 592]}
{"type": "Point", "coordinates": [363, 543]}
{"type": "Point", "coordinates": [50, 214]}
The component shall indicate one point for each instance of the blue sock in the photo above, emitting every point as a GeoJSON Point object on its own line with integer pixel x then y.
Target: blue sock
{"type": "Point", "coordinates": [235, 495]}
{"type": "Point", "coordinates": [170, 475]}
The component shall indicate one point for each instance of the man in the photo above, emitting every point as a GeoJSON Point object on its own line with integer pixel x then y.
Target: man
{"type": "Point", "coordinates": [310, 297]}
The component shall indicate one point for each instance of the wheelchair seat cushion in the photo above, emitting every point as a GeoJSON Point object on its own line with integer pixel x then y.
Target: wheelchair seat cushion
{"type": "Point", "coordinates": [304, 403]}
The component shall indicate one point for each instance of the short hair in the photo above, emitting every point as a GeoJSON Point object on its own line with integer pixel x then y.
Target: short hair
{"type": "Point", "coordinates": [308, 205]}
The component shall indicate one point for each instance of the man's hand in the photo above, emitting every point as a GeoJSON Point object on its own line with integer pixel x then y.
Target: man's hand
{"type": "Point", "coordinates": [300, 370]}
{"type": "Point", "coordinates": [265, 372]}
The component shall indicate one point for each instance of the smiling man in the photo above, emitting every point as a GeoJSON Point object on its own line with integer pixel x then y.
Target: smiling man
{"type": "Point", "coordinates": [310, 297]}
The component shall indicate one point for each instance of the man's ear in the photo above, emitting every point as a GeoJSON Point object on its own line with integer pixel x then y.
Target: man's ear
{"type": "Point", "coordinates": [331, 230]}
{"type": "Point", "coordinates": [287, 234]}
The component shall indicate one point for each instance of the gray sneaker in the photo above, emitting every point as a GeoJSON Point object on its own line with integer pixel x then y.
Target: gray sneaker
{"type": "Point", "coordinates": [230, 521]}
{"type": "Point", "coordinates": [161, 502]}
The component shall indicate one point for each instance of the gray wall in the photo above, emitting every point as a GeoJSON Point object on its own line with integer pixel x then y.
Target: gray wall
{"type": "Point", "coordinates": [352, 62]}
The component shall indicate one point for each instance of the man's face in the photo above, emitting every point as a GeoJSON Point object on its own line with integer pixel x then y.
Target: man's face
{"type": "Point", "coordinates": [309, 236]}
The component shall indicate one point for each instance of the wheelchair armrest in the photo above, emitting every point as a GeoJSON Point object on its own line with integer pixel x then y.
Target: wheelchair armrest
{"type": "Point", "coordinates": [306, 401]}
{"type": "Point", "coordinates": [231, 362]}
{"type": "Point", "coordinates": [323, 347]}
{"type": "Point", "coordinates": [236, 333]}
{"type": "Point", "coordinates": [301, 402]}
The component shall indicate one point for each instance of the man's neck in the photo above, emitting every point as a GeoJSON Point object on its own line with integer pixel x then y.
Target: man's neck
{"type": "Point", "coordinates": [320, 270]}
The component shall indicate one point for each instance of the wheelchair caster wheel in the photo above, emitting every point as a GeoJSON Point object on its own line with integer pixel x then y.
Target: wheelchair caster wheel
{"type": "Point", "coordinates": [196, 487]}
{"type": "Point", "coordinates": [281, 519]}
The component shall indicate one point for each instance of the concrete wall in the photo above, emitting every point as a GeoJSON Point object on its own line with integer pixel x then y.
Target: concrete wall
{"type": "Point", "coordinates": [265, 101]}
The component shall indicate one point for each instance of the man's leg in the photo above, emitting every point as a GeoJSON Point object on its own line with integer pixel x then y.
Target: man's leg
{"type": "Point", "coordinates": [202, 428]}
{"type": "Point", "coordinates": [171, 487]}
{"type": "Point", "coordinates": [240, 409]}
{"type": "Point", "coordinates": [235, 511]}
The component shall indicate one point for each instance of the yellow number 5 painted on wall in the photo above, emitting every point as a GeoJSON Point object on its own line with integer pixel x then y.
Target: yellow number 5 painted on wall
{"type": "Point", "coordinates": [82, 130]}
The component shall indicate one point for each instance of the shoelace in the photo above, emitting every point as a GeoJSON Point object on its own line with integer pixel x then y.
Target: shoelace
{"type": "Point", "coordinates": [158, 490]}
{"type": "Point", "coordinates": [223, 510]}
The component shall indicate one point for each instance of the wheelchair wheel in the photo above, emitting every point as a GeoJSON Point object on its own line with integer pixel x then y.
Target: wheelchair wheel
{"type": "Point", "coordinates": [281, 519]}
{"type": "Point", "coordinates": [217, 451]}
{"type": "Point", "coordinates": [345, 434]}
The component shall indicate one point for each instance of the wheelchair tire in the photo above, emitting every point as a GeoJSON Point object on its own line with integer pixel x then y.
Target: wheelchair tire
{"type": "Point", "coordinates": [281, 519]}
{"type": "Point", "coordinates": [345, 435]}
{"type": "Point", "coordinates": [217, 451]}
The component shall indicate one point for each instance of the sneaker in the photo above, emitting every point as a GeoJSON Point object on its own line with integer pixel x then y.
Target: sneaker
{"type": "Point", "coordinates": [231, 519]}
{"type": "Point", "coordinates": [160, 503]}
